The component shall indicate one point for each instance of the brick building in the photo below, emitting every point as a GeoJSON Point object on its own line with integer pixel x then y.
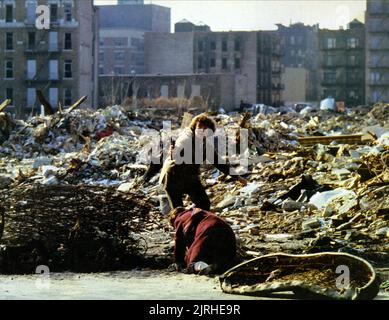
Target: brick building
{"type": "Point", "coordinates": [300, 48]}
{"type": "Point", "coordinates": [122, 29]}
{"type": "Point", "coordinates": [377, 51]}
{"type": "Point", "coordinates": [342, 61]}
{"type": "Point", "coordinates": [60, 60]}
{"type": "Point", "coordinates": [253, 58]}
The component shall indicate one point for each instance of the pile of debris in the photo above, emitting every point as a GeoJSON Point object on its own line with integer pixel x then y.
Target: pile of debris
{"type": "Point", "coordinates": [317, 181]}
{"type": "Point", "coordinates": [80, 228]}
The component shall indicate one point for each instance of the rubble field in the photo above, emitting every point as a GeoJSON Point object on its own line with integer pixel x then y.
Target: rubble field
{"type": "Point", "coordinates": [70, 195]}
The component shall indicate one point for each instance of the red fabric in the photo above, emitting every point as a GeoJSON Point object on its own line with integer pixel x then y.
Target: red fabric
{"type": "Point", "coordinates": [203, 236]}
{"type": "Point", "coordinates": [105, 133]}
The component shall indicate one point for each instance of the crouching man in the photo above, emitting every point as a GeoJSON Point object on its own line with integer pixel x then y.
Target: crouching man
{"type": "Point", "coordinates": [204, 243]}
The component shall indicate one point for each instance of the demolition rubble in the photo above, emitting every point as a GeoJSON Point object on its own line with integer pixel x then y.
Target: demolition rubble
{"type": "Point", "coordinates": [318, 181]}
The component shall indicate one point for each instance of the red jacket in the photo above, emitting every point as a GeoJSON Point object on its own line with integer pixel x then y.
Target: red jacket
{"type": "Point", "coordinates": [203, 236]}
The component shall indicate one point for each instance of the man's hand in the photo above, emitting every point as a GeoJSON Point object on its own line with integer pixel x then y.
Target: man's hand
{"type": "Point", "coordinates": [242, 181]}
{"type": "Point", "coordinates": [171, 150]}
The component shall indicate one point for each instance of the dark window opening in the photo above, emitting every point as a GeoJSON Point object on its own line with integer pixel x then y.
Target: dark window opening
{"type": "Point", "coordinates": [68, 12]}
{"type": "Point", "coordinates": [200, 63]}
{"type": "Point", "coordinates": [237, 45]}
{"type": "Point", "coordinates": [201, 46]}
{"type": "Point", "coordinates": [68, 97]}
{"type": "Point", "coordinates": [9, 13]}
{"type": "Point", "coordinates": [9, 69]}
{"type": "Point", "coordinates": [68, 69]}
{"type": "Point", "coordinates": [68, 41]}
{"type": "Point", "coordinates": [31, 40]}
{"type": "Point", "coordinates": [237, 63]}
{"type": "Point", "coordinates": [9, 42]}
{"type": "Point", "coordinates": [9, 93]}
{"type": "Point", "coordinates": [224, 63]}
{"type": "Point", "coordinates": [224, 45]}
{"type": "Point", "coordinates": [54, 13]}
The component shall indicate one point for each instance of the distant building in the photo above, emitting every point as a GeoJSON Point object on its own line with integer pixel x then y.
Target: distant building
{"type": "Point", "coordinates": [300, 48]}
{"type": "Point", "coordinates": [342, 60]}
{"type": "Point", "coordinates": [60, 61]}
{"type": "Point", "coordinates": [122, 29]}
{"type": "Point", "coordinates": [187, 26]}
{"type": "Point", "coordinates": [252, 57]}
{"type": "Point", "coordinates": [377, 51]}
{"type": "Point", "coordinates": [295, 81]}
{"type": "Point", "coordinates": [120, 2]}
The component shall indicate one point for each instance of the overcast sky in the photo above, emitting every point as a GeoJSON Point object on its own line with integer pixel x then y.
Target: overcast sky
{"type": "Point", "coordinates": [225, 15]}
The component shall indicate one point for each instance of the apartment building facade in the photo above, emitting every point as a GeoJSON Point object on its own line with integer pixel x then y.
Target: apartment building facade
{"type": "Point", "coordinates": [342, 64]}
{"type": "Point", "coordinates": [252, 57]}
{"type": "Point", "coordinates": [121, 32]}
{"type": "Point", "coordinates": [300, 48]}
{"type": "Point", "coordinates": [60, 60]}
{"type": "Point", "coordinates": [377, 51]}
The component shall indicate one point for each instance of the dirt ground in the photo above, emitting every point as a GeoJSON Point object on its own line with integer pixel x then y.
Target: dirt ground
{"type": "Point", "coordinates": [131, 285]}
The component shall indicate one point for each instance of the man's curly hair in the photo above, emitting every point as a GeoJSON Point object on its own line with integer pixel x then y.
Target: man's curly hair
{"type": "Point", "coordinates": [203, 119]}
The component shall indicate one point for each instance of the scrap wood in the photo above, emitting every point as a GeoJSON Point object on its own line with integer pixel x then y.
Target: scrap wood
{"type": "Point", "coordinates": [46, 105]}
{"type": "Point", "coordinates": [245, 119]}
{"type": "Point", "coordinates": [242, 125]}
{"type": "Point", "coordinates": [80, 228]}
{"type": "Point", "coordinates": [5, 104]}
{"type": "Point", "coordinates": [347, 138]}
{"type": "Point", "coordinates": [77, 104]}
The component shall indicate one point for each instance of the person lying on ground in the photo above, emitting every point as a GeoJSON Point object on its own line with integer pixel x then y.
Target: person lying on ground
{"type": "Point", "coordinates": [204, 243]}
{"type": "Point", "coordinates": [181, 172]}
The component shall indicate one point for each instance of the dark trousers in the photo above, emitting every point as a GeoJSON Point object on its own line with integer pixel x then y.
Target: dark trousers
{"type": "Point", "coordinates": [196, 192]}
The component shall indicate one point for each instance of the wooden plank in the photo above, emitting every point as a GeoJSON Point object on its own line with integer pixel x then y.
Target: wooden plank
{"type": "Point", "coordinates": [77, 104]}
{"type": "Point", "coordinates": [350, 139]}
{"type": "Point", "coordinates": [5, 104]}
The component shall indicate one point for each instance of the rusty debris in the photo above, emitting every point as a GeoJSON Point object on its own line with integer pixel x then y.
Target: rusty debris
{"type": "Point", "coordinates": [79, 171]}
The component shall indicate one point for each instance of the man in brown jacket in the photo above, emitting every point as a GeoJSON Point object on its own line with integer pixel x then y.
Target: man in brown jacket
{"type": "Point", "coordinates": [181, 172]}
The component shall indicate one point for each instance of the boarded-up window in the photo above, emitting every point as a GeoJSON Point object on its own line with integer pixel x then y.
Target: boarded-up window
{"type": "Point", "coordinates": [31, 69]}
{"type": "Point", "coordinates": [181, 91]}
{"type": "Point", "coordinates": [53, 69]}
{"type": "Point", "coordinates": [31, 8]}
{"type": "Point", "coordinates": [31, 97]}
{"type": "Point", "coordinates": [53, 41]}
{"type": "Point", "coordinates": [53, 96]}
{"type": "Point", "coordinates": [195, 91]}
{"type": "Point", "coordinates": [165, 91]}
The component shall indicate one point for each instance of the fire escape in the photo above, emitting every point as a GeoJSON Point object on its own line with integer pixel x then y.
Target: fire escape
{"type": "Point", "coordinates": [380, 49]}
{"type": "Point", "coordinates": [42, 51]}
